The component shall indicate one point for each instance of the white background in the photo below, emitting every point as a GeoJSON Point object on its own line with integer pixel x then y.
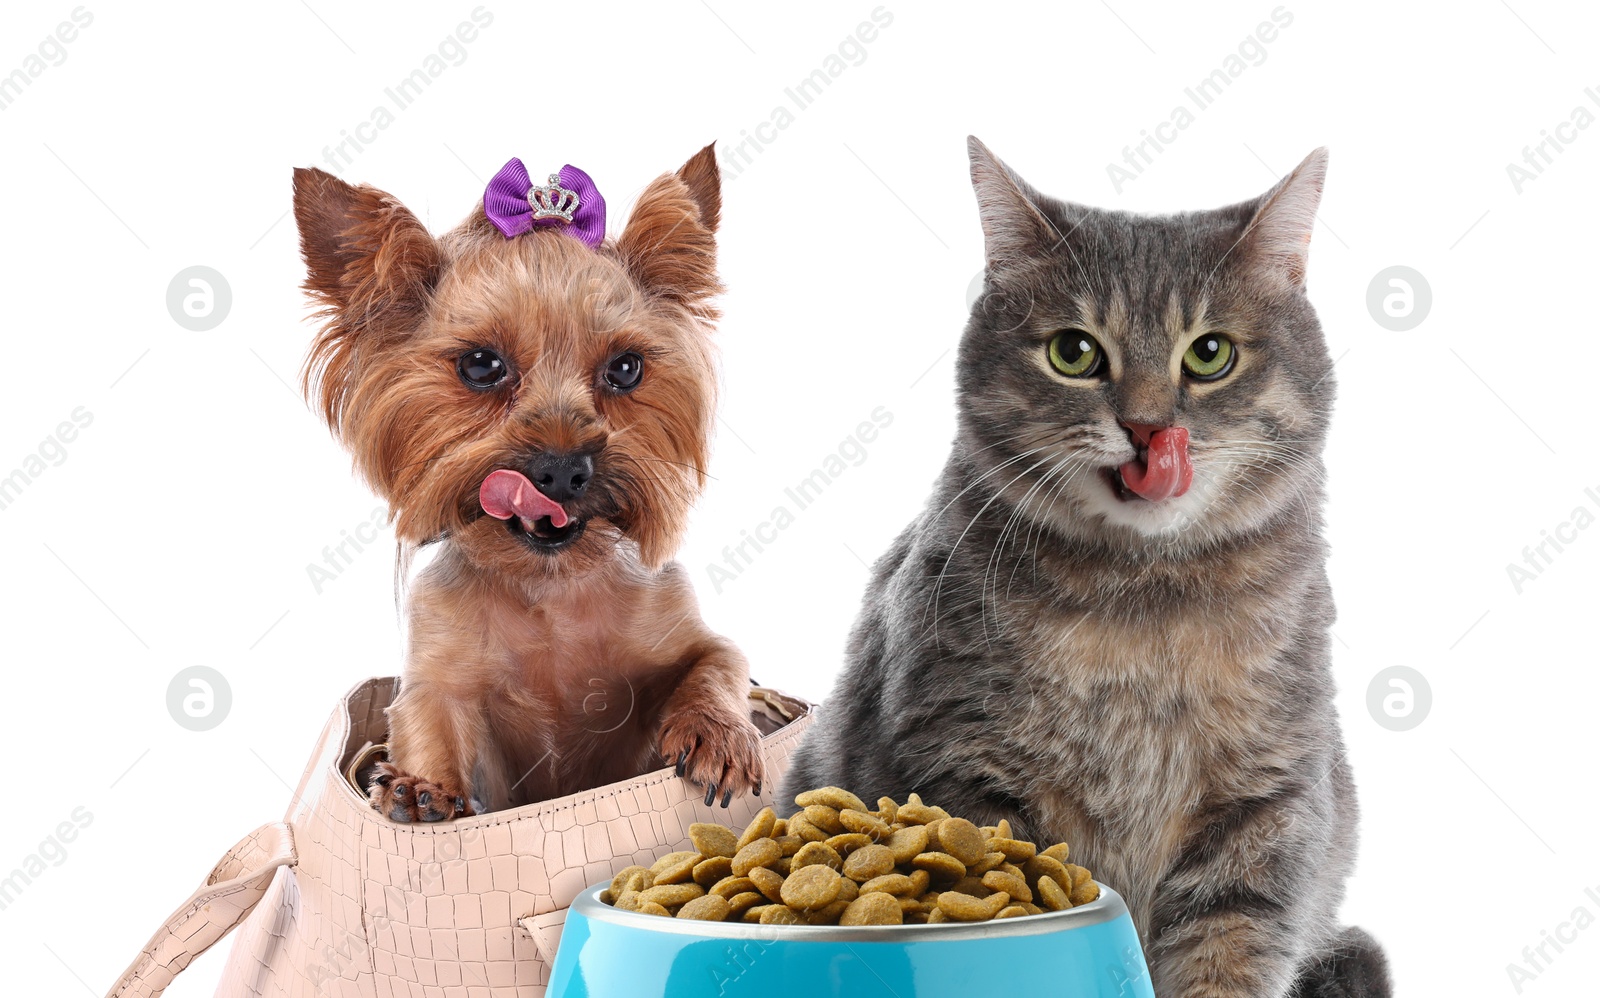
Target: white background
{"type": "Point", "coordinates": [179, 528]}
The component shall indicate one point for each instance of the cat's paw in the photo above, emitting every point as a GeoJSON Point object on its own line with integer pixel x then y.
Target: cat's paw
{"type": "Point", "coordinates": [399, 796]}
{"type": "Point", "coordinates": [720, 753]}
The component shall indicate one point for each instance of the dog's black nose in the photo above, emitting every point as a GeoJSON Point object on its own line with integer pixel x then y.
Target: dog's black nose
{"type": "Point", "coordinates": [561, 477]}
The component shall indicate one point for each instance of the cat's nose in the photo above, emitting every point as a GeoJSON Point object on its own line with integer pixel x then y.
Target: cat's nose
{"type": "Point", "coordinates": [1142, 432]}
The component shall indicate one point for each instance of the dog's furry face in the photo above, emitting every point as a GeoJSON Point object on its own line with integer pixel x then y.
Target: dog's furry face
{"type": "Point", "coordinates": [559, 321]}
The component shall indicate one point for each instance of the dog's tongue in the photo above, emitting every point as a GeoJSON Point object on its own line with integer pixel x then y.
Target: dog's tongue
{"type": "Point", "coordinates": [505, 494]}
{"type": "Point", "coordinates": [1165, 471]}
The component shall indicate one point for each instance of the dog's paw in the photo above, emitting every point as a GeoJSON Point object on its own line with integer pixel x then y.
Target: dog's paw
{"type": "Point", "coordinates": [402, 797]}
{"type": "Point", "coordinates": [716, 752]}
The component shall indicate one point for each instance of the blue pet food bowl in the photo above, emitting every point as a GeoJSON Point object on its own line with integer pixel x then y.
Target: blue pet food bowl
{"type": "Point", "coordinates": [1090, 951]}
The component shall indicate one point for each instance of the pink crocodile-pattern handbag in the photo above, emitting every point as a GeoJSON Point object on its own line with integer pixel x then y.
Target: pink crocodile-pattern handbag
{"type": "Point", "coordinates": [336, 900]}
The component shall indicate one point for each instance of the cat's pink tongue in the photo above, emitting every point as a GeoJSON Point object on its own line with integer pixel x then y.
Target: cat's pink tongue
{"type": "Point", "coordinates": [505, 494]}
{"type": "Point", "coordinates": [1165, 471]}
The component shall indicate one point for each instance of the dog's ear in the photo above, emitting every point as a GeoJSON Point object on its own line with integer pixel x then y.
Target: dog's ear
{"type": "Point", "coordinates": [367, 258]}
{"type": "Point", "coordinates": [704, 181]}
{"type": "Point", "coordinates": [669, 244]}
{"type": "Point", "coordinates": [370, 264]}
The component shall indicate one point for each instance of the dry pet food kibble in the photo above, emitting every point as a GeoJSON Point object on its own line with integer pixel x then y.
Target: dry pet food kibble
{"type": "Point", "coordinates": [839, 862]}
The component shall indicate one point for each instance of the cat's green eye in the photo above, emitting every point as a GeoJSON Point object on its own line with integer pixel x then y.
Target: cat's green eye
{"type": "Point", "coordinates": [1209, 357]}
{"type": "Point", "coordinates": [1075, 353]}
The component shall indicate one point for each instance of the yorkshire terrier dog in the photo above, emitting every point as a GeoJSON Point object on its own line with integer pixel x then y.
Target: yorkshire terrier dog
{"type": "Point", "coordinates": [538, 400]}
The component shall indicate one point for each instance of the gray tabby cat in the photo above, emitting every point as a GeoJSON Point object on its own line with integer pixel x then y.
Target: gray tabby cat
{"type": "Point", "coordinates": [1114, 632]}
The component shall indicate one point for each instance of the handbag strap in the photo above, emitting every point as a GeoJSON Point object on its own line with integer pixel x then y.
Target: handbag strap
{"type": "Point", "coordinates": [222, 902]}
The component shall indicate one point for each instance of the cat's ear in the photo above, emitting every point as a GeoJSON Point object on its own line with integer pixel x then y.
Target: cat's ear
{"type": "Point", "coordinates": [1013, 226]}
{"type": "Point", "coordinates": [365, 254]}
{"type": "Point", "coordinates": [1278, 236]}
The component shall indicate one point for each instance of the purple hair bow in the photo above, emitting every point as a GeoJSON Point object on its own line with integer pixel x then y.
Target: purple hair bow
{"type": "Point", "coordinates": [570, 200]}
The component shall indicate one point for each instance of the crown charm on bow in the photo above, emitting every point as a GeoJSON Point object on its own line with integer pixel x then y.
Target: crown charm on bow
{"type": "Point", "coordinates": [554, 201]}
{"type": "Point", "coordinates": [569, 201]}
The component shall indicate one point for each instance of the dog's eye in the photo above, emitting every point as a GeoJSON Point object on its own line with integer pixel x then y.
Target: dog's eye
{"type": "Point", "coordinates": [624, 371]}
{"type": "Point", "coordinates": [481, 368]}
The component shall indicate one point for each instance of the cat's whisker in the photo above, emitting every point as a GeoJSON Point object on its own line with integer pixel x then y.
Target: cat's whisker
{"type": "Point", "coordinates": [939, 581]}
{"type": "Point", "coordinates": [980, 479]}
{"type": "Point", "coordinates": [945, 568]}
{"type": "Point", "coordinates": [1067, 470]}
{"type": "Point", "coordinates": [1061, 242]}
{"type": "Point", "coordinates": [1066, 479]}
{"type": "Point", "coordinates": [1000, 541]}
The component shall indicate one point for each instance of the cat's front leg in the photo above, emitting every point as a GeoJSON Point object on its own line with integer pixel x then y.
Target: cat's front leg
{"type": "Point", "coordinates": [1233, 915]}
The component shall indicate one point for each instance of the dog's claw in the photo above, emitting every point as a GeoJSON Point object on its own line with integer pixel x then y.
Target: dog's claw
{"type": "Point", "coordinates": [715, 751]}
{"type": "Point", "coordinates": [405, 798]}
